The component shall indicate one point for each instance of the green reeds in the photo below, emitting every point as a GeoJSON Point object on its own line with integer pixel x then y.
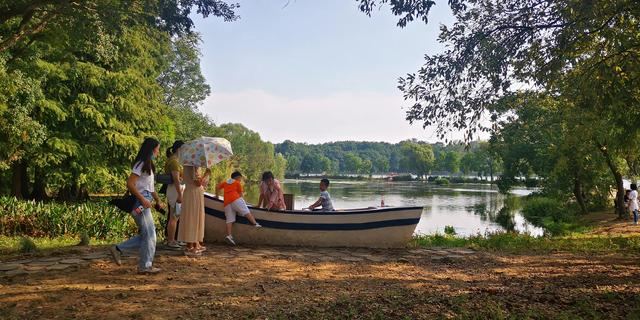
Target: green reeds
{"type": "Point", "coordinates": [53, 219]}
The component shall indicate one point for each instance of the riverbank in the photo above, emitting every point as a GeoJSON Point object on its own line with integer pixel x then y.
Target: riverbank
{"type": "Point", "coordinates": [600, 232]}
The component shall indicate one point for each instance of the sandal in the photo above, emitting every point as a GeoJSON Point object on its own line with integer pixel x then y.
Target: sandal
{"type": "Point", "coordinates": [192, 252]}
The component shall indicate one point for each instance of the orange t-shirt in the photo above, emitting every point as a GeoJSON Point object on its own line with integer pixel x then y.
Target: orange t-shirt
{"type": "Point", "coordinates": [232, 191]}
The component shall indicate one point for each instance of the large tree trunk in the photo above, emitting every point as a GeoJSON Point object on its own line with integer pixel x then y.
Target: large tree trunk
{"type": "Point", "coordinates": [618, 178]}
{"type": "Point", "coordinates": [491, 168]}
{"type": "Point", "coordinates": [577, 192]}
{"type": "Point", "coordinates": [19, 180]}
{"type": "Point", "coordinates": [39, 191]}
{"type": "Point", "coordinates": [73, 192]}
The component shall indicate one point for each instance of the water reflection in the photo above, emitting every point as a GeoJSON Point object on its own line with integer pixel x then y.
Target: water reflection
{"type": "Point", "coordinates": [469, 208]}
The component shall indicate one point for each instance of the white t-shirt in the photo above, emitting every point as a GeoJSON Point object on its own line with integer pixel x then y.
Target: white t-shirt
{"type": "Point", "coordinates": [145, 181]}
{"type": "Point", "coordinates": [326, 201]}
{"type": "Point", "coordinates": [633, 200]}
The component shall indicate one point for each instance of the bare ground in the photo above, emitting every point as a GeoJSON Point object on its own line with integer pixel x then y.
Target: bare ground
{"type": "Point", "coordinates": [312, 283]}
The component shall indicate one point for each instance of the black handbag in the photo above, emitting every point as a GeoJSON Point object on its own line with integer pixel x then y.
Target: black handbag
{"type": "Point", "coordinates": [164, 178]}
{"type": "Point", "coordinates": [125, 203]}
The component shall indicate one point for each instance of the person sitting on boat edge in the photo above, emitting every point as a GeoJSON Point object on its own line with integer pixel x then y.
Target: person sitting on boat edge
{"type": "Point", "coordinates": [234, 203]}
{"type": "Point", "coordinates": [271, 196]}
{"type": "Point", "coordinates": [325, 199]}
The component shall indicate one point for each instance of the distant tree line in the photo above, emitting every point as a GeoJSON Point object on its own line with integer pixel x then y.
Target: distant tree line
{"type": "Point", "coordinates": [410, 156]}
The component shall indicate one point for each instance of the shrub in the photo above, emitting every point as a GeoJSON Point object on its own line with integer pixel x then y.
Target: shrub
{"type": "Point", "coordinates": [27, 245]}
{"type": "Point", "coordinates": [84, 239]}
{"type": "Point", "coordinates": [550, 214]}
{"type": "Point", "coordinates": [537, 208]}
{"type": "Point", "coordinates": [96, 219]}
{"type": "Point", "coordinates": [449, 230]}
{"type": "Point", "coordinates": [441, 181]}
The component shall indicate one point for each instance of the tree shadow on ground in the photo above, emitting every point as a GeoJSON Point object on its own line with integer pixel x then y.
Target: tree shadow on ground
{"type": "Point", "coordinates": [297, 283]}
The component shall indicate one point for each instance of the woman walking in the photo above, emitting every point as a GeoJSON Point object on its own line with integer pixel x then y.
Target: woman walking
{"type": "Point", "coordinates": [141, 184]}
{"type": "Point", "coordinates": [174, 192]}
{"type": "Point", "coordinates": [191, 229]}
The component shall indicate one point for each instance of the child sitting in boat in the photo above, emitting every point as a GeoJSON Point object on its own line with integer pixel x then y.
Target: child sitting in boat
{"type": "Point", "coordinates": [234, 203]}
{"type": "Point", "coordinates": [325, 198]}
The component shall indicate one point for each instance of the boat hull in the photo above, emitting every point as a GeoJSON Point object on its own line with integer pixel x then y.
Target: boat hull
{"type": "Point", "coordinates": [372, 228]}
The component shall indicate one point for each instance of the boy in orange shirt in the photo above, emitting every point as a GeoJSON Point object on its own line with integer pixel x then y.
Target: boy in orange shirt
{"type": "Point", "coordinates": [234, 203]}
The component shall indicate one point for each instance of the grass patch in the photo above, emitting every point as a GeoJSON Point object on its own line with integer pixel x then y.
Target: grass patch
{"type": "Point", "coordinates": [515, 243]}
{"type": "Point", "coordinates": [27, 245]}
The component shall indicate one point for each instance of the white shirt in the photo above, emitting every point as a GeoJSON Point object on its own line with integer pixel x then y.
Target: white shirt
{"type": "Point", "coordinates": [326, 201]}
{"type": "Point", "coordinates": [633, 200]}
{"type": "Point", "coordinates": [145, 181]}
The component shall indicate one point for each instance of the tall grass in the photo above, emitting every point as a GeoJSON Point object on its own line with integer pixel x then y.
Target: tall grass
{"type": "Point", "coordinates": [53, 219]}
{"type": "Point", "coordinates": [515, 242]}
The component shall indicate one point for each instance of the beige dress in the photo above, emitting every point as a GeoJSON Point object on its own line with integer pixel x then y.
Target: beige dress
{"type": "Point", "coordinates": [191, 227]}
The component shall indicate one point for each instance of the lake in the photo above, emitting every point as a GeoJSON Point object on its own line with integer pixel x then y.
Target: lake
{"type": "Point", "coordinates": [469, 208]}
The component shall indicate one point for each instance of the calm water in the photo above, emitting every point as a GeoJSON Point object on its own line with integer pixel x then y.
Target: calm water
{"type": "Point", "coordinates": [469, 208]}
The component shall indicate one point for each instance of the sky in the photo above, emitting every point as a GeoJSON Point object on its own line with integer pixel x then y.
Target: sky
{"type": "Point", "coordinates": [315, 71]}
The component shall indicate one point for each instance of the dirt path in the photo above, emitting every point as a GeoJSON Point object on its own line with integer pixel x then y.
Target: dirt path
{"type": "Point", "coordinates": [286, 283]}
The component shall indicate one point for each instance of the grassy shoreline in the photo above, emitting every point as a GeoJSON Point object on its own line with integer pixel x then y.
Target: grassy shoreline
{"type": "Point", "coordinates": [522, 243]}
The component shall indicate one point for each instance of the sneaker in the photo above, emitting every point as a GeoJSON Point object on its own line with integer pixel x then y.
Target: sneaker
{"type": "Point", "coordinates": [182, 243]}
{"type": "Point", "coordinates": [257, 225]}
{"type": "Point", "coordinates": [173, 246]}
{"type": "Point", "coordinates": [116, 255]}
{"type": "Point", "coordinates": [230, 240]}
{"type": "Point", "coordinates": [149, 270]}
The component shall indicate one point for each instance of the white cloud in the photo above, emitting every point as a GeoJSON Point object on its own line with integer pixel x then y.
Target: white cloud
{"type": "Point", "coordinates": [360, 116]}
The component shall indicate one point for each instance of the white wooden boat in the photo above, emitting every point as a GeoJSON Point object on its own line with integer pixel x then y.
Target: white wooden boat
{"type": "Point", "coordinates": [385, 227]}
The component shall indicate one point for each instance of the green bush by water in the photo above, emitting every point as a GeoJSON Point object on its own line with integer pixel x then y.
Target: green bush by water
{"type": "Point", "coordinates": [97, 219]}
{"type": "Point", "coordinates": [449, 230]}
{"type": "Point", "coordinates": [551, 214]}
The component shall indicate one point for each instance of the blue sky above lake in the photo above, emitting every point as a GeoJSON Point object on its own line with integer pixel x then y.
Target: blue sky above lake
{"type": "Point", "coordinates": [315, 71]}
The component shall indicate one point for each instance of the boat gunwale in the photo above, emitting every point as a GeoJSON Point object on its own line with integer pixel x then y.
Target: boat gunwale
{"type": "Point", "coordinates": [324, 213]}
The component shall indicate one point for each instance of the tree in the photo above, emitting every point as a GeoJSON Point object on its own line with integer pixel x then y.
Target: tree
{"type": "Point", "coordinates": [184, 85]}
{"type": "Point", "coordinates": [93, 67]}
{"type": "Point", "coordinates": [586, 51]}
{"type": "Point", "coordinates": [352, 163]}
{"type": "Point", "coordinates": [365, 167]}
{"type": "Point", "coordinates": [417, 158]}
{"type": "Point", "coordinates": [494, 43]}
{"type": "Point", "coordinates": [452, 162]}
{"type": "Point", "coordinates": [546, 137]}
{"type": "Point", "coordinates": [22, 21]}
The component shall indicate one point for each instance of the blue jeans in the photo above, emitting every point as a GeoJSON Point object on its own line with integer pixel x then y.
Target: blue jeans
{"type": "Point", "coordinates": [635, 216]}
{"type": "Point", "coordinates": [145, 241]}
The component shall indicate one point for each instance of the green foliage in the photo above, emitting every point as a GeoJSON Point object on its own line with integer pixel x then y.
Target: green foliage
{"type": "Point", "coordinates": [85, 240]}
{"type": "Point", "coordinates": [417, 157]}
{"type": "Point", "coordinates": [441, 181]}
{"type": "Point", "coordinates": [537, 208]}
{"type": "Point", "coordinates": [39, 219]}
{"type": "Point", "coordinates": [551, 214]}
{"type": "Point", "coordinates": [20, 133]}
{"type": "Point", "coordinates": [27, 245]}
{"type": "Point", "coordinates": [365, 158]}
{"type": "Point", "coordinates": [583, 116]}
{"type": "Point", "coordinates": [184, 85]}
{"type": "Point", "coordinates": [77, 99]}
{"type": "Point", "coordinates": [521, 243]}
{"type": "Point", "coordinates": [449, 230]}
